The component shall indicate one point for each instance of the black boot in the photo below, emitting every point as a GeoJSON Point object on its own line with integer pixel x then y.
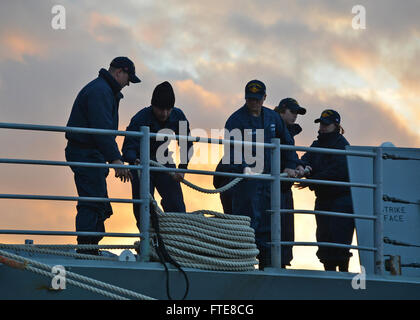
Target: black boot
{"type": "Point", "coordinates": [94, 252]}
{"type": "Point", "coordinates": [343, 266]}
{"type": "Point", "coordinates": [330, 266]}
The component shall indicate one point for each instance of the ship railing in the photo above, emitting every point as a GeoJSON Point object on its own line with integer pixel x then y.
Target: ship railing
{"type": "Point", "coordinates": [275, 179]}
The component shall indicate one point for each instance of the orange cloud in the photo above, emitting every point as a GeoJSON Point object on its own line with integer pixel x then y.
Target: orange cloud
{"type": "Point", "coordinates": [197, 93]}
{"type": "Point", "coordinates": [154, 33]}
{"type": "Point", "coordinates": [354, 58]}
{"type": "Point", "coordinates": [16, 46]}
{"type": "Point", "coordinates": [98, 24]}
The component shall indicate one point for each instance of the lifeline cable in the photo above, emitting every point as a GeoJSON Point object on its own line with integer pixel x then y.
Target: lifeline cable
{"type": "Point", "coordinates": [399, 243]}
{"type": "Point", "coordinates": [387, 156]}
{"type": "Point", "coordinates": [411, 265]}
{"type": "Point", "coordinates": [396, 200]}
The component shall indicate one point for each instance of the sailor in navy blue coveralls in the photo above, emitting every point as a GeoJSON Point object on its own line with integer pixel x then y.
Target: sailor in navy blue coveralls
{"type": "Point", "coordinates": [253, 197]}
{"type": "Point", "coordinates": [96, 106]}
{"type": "Point", "coordinates": [331, 198]}
{"type": "Point", "coordinates": [220, 181]}
{"type": "Point", "coordinates": [288, 109]}
{"type": "Point", "coordinates": [160, 115]}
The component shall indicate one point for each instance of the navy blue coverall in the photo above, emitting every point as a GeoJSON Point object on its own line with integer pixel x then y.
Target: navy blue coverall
{"type": "Point", "coordinates": [253, 197]}
{"type": "Point", "coordinates": [287, 219]}
{"type": "Point", "coordinates": [96, 106]}
{"type": "Point", "coordinates": [331, 198]}
{"type": "Point", "coordinates": [169, 189]}
{"type": "Point", "coordinates": [220, 181]}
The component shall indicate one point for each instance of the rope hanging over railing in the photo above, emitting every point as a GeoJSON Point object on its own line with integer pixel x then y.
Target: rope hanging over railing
{"type": "Point", "coordinates": [226, 187]}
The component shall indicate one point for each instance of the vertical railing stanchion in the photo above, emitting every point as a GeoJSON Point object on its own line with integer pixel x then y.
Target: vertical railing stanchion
{"type": "Point", "coordinates": [144, 193]}
{"type": "Point", "coordinates": [275, 205]}
{"type": "Point", "coordinates": [377, 209]}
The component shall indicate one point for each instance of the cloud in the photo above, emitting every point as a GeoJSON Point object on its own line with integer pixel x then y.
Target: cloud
{"type": "Point", "coordinates": [15, 46]}
{"type": "Point", "coordinates": [208, 51]}
{"type": "Point", "coordinates": [363, 121]}
{"type": "Point", "coordinates": [104, 28]}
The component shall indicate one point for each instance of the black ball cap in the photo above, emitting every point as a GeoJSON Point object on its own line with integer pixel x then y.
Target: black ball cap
{"type": "Point", "coordinates": [128, 66]}
{"type": "Point", "coordinates": [329, 116]}
{"type": "Point", "coordinates": [292, 105]}
{"type": "Point", "coordinates": [163, 96]}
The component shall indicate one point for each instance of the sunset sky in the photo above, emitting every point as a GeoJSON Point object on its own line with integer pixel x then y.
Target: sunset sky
{"type": "Point", "coordinates": [307, 50]}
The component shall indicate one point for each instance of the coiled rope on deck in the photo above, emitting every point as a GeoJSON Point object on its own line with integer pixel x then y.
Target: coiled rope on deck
{"type": "Point", "coordinates": [206, 240]}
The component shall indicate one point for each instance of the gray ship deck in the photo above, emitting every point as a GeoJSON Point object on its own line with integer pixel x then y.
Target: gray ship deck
{"type": "Point", "coordinates": [150, 279]}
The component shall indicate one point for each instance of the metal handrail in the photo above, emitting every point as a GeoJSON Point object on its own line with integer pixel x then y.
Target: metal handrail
{"type": "Point", "coordinates": [331, 182]}
{"type": "Point", "coordinates": [34, 127]}
{"type": "Point", "coordinates": [73, 233]}
{"type": "Point", "coordinates": [329, 213]}
{"type": "Point", "coordinates": [274, 177]}
{"type": "Point", "coordinates": [69, 163]}
{"type": "Point", "coordinates": [37, 127]}
{"type": "Point", "coordinates": [327, 244]}
{"type": "Point", "coordinates": [65, 198]}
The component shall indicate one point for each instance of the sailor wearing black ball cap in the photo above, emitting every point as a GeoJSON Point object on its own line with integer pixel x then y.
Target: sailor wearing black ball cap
{"type": "Point", "coordinates": [288, 109]}
{"type": "Point", "coordinates": [96, 106]}
{"type": "Point", "coordinates": [324, 166]}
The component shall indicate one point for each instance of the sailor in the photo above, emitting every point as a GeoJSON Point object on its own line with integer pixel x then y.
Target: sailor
{"type": "Point", "coordinates": [324, 166]}
{"type": "Point", "coordinates": [288, 109]}
{"type": "Point", "coordinates": [160, 115]}
{"type": "Point", "coordinates": [252, 197]}
{"type": "Point", "coordinates": [96, 106]}
{"type": "Point", "coordinates": [220, 181]}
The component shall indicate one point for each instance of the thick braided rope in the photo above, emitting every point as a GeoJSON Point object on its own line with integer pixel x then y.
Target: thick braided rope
{"type": "Point", "coordinates": [210, 264]}
{"type": "Point", "coordinates": [31, 248]}
{"type": "Point", "coordinates": [208, 241]}
{"type": "Point", "coordinates": [227, 186]}
{"type": "Point", "coordinates": [213, 242]}
{"type": "Point", "coordinates": [33, 265]}
{"type": "Point", "coordinates": [210, 250]}
{"type": "Point", "coordinates": [69, 246]}
{"type": "Point", "coordinates": [199, 233]}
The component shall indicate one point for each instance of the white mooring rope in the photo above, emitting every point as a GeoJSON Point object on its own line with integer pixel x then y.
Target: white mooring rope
{"type": "Point", "coordinates": [207, 240]}
{"type": "Point", "coordinates": [45, 269]}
